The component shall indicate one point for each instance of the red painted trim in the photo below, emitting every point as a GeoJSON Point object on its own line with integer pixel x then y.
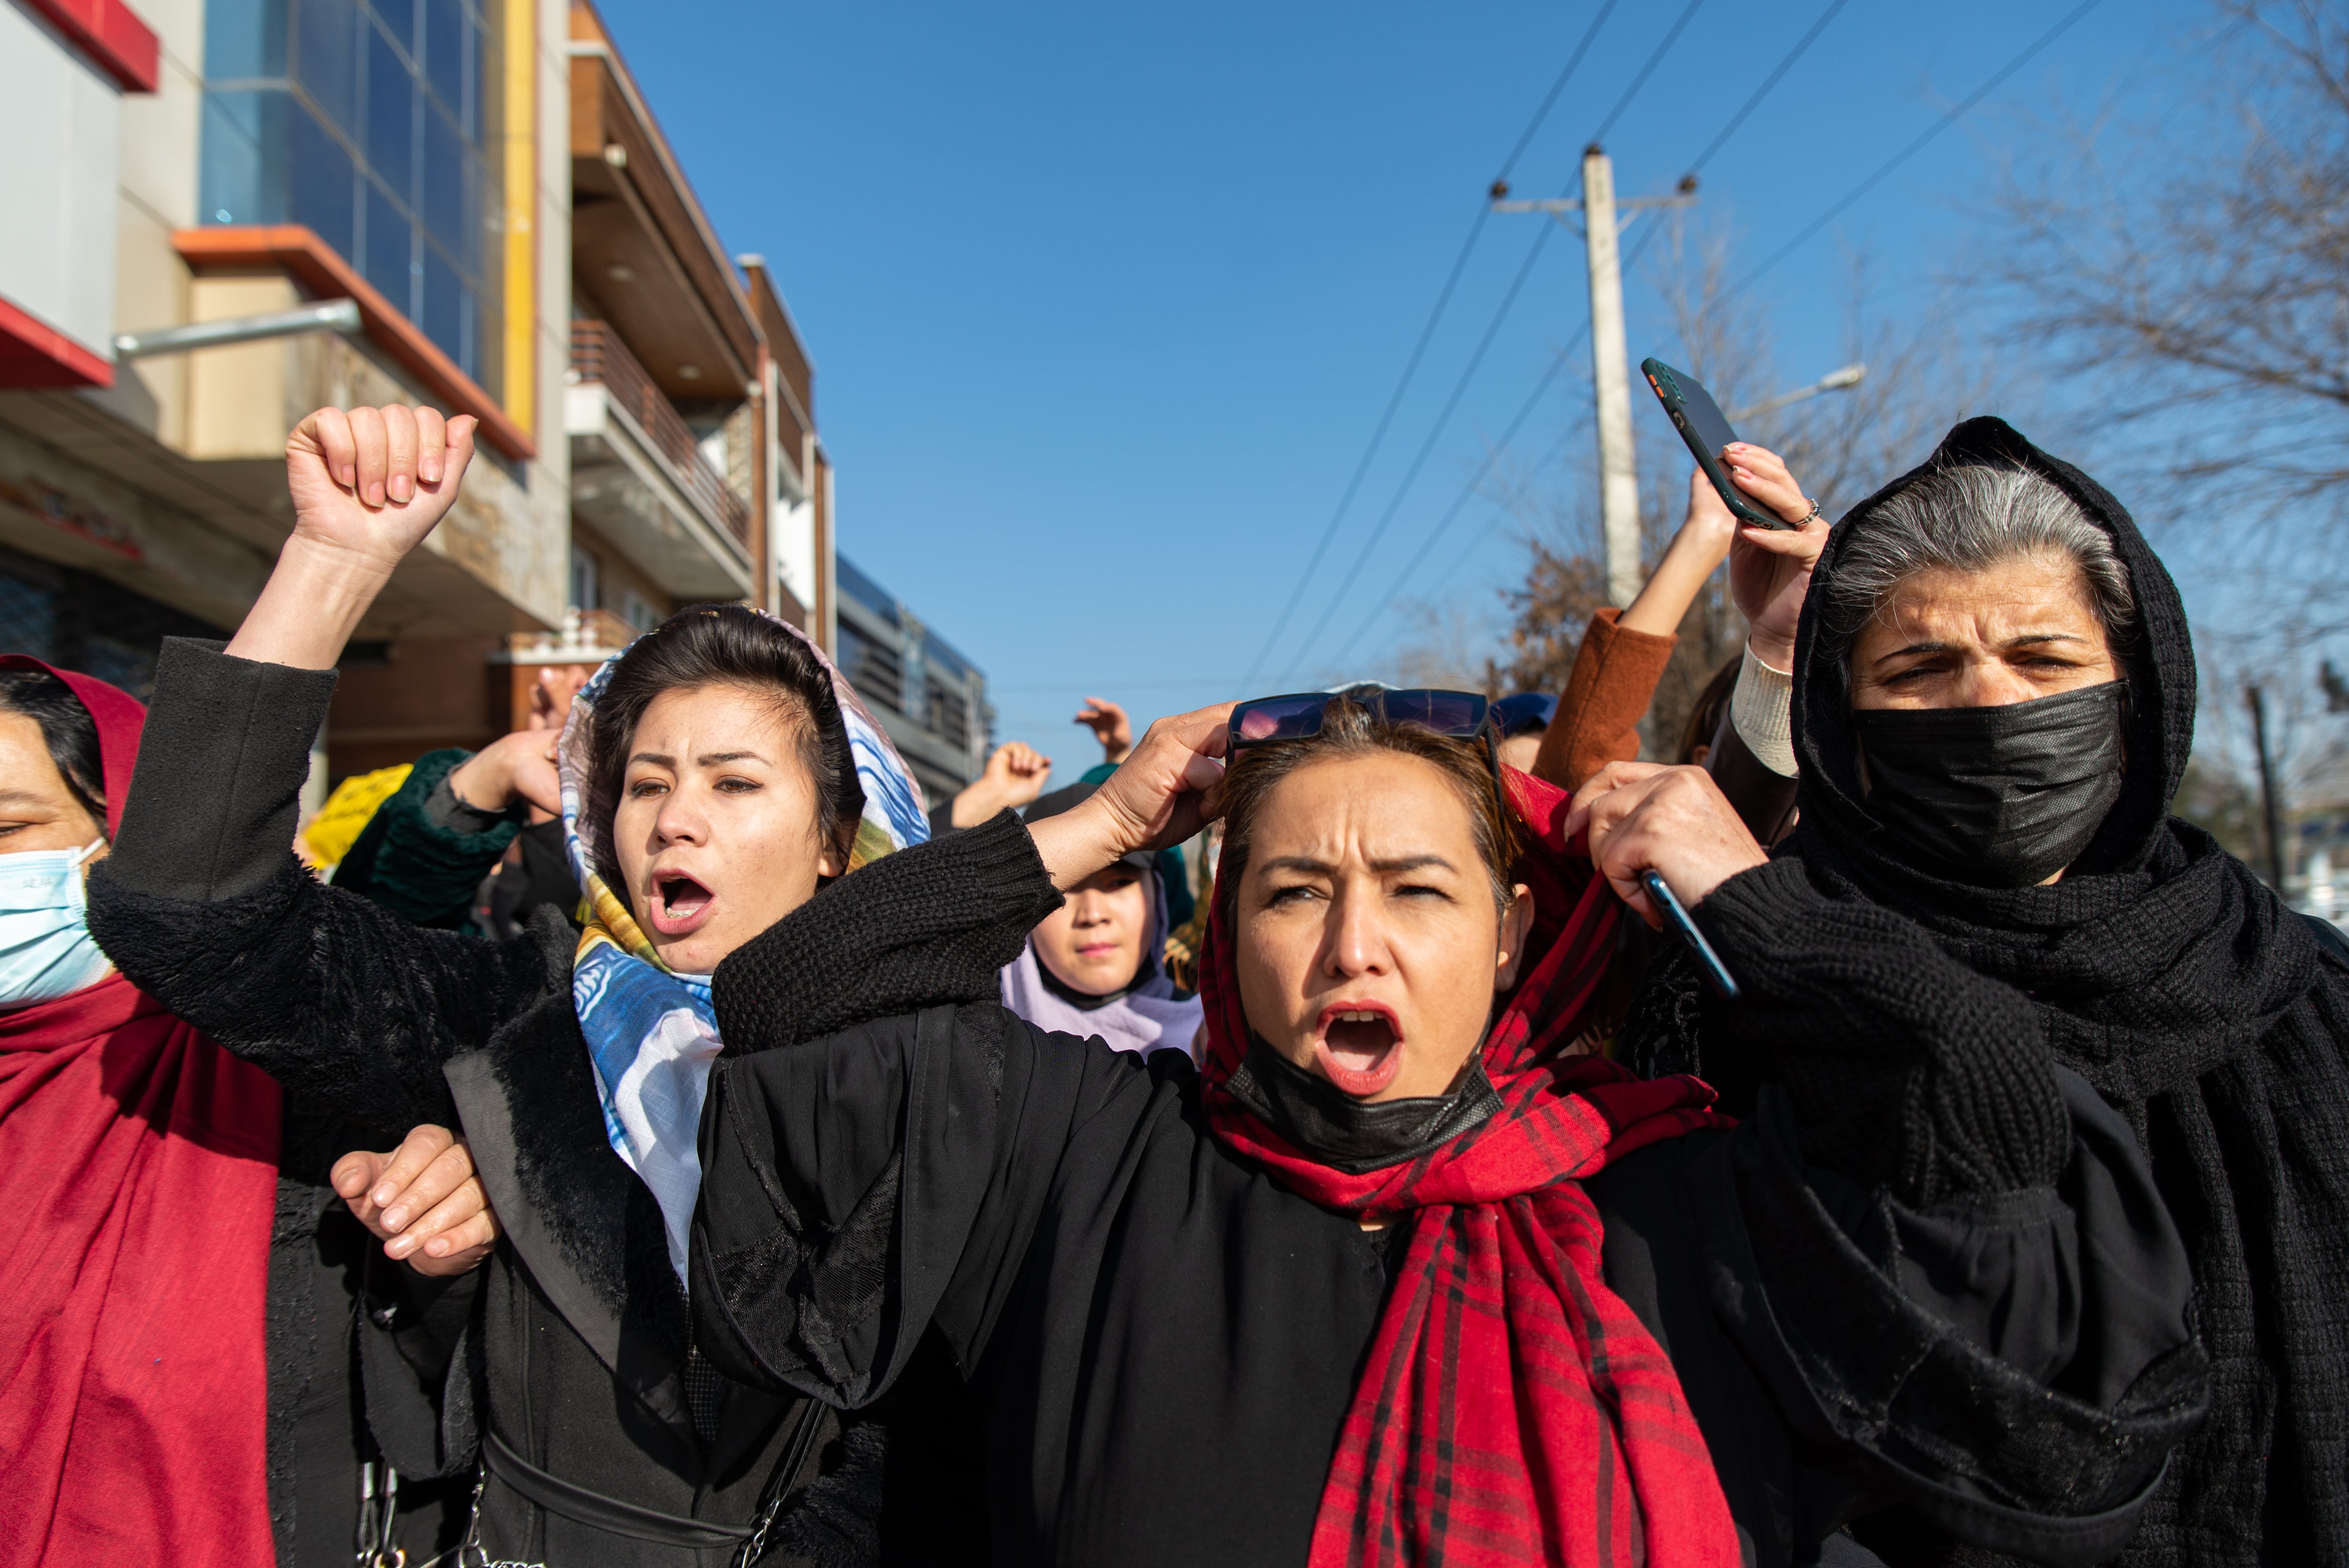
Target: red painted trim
{"type": "Point", "coordinates": [37, 356]}
{"type": "Point", "coordinates": [112, 36]}
{"type": "Point", "coordinates": [318, 268]}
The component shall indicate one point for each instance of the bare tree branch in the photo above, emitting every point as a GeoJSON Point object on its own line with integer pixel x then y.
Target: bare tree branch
{"type": "Point", "coordinates": [2204, 282]}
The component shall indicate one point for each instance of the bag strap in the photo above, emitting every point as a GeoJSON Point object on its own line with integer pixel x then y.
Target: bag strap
{"type": "Point", "coordinates": [779, 1485]}
{"type": "Point", "coordinates": [558, 1496]}
{"type": "Point", "coordinates": [578, 1504]}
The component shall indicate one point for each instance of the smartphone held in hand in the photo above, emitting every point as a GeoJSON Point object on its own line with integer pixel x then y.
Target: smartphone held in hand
{"type": "Point", "coordinates": [1677, 916]}
{"type": "Point", "coordinates": [1706, 429]}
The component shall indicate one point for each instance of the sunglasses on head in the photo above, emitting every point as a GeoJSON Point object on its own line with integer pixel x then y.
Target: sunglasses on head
{"type": "Point", "coordinates": [1457, 714]}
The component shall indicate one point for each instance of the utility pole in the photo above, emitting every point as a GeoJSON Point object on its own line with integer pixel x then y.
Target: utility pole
{"type": "Point", "coordinates": [1610, 380]}
{"type": "Point", "coordinates": [2268, 807]}
{"type": "Point", "coordinates": [1610, 370]}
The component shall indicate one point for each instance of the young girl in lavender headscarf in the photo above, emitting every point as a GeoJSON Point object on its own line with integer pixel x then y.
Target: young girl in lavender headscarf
{"type": "Point", "coordinates": [1096, 965]}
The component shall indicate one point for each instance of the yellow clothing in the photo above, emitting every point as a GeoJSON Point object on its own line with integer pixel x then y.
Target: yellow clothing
{"type": "Point", "coordinates": [329, 835]}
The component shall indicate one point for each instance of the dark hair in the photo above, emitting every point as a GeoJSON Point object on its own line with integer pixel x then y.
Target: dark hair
{"type": "Point", "coordinates": [722, 644]}
{"type": "Point", "coordinates": [68, 728]}
{"type": "Point", "coordinates": [1704, 718]}
{"type": "Point", "coordinates": [1348, 730]}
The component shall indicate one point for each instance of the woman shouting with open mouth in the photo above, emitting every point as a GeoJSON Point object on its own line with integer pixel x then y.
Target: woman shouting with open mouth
{"type": "Point", "coordinates": [719, 780]}
{"type": "Point", "coordinates": [1389, 1279]}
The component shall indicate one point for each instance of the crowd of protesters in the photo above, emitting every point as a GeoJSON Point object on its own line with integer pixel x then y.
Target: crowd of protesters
{"type": "Point", "coordinates": [663, 1136]}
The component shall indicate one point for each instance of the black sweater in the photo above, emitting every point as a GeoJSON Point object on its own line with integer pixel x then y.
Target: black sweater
{"type": "Point", "coordinates": [1163, 1340]}
{"type": "Point", "coordinates": [2160, 968]}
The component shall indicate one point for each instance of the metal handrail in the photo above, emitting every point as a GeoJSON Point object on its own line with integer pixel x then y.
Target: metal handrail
{"type": "Point", "coordinates": [598, 355]}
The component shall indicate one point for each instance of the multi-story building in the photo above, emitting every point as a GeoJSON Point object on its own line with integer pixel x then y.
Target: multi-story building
{"type": "Point", "coordinates": [930, 699]}
{"type": "Point", "coordinates": [486, 183]}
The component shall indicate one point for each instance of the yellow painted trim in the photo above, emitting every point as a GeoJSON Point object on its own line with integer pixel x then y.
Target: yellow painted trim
{"type": "Point", "coordinates": [522, 213]}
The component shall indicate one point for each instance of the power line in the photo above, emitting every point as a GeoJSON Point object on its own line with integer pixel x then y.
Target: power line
{"type": "Point", "coordinates": [1468, 492]}
{"type": "Point", "coordinates": [1558, 86]}
{"type": "Point", "coordinates": [1443, 417]}
{"type": "Point", "coordinates": [1498, 518]}
{"type": "Point", "coordinates": [1901, 157]}
{"type": "Point", "coordinates": [1991, 84]}
{"type": "Point", "coordinates": [1802, 47]}
{"type": "Point", "coordinates": [1378, 437]}
{"type": "Point", "coordinates": [1426, 334]}
{"type": "Point", "coordinates": [1427, 447]}
{"type": "Point", "coordinates": [1655, 59]}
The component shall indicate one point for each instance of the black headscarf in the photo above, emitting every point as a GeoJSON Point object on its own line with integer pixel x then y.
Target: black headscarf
{"type": "Point", "coordinates": [2181, 986]}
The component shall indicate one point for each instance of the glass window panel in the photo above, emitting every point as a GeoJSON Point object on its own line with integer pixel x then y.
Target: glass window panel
{"type": "Point", "coordinates": [477, 82]}
{"type": "Point", "coordinates": [390, 246]}
{"type": "Point", "coordinates": [324, 193]}
{"type": "Point", "coordinates": [444, 51]}
{"type": "Point", "coordinates": [398, 17]}
{"type": "Point", "coordinates": [244, 39]}
{"type": "Point", "coordinates": [29, 610]}
{"type": "Point", "coordinates": [469, 333]}
{"type": "Point", "coordinates": [325, 58]}
{"type": "Point", "coordinates": [243, 165]}
{"type": "Point", "coordinates": [449, 188]}
{"type": "Point", "coordinates": [391, 116]}
{"type": "Point", "coordinates": [490, 86]}
{"type": "Point", "coordinates": [443, 321]}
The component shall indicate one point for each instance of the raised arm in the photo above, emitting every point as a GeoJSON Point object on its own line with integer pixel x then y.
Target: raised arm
{"type": "Point", "coordinates": [203, 904]}
{"type": "Point", "coordinates": [424, 853]}
{"type": "Point", "coordinates": [1623, 655]}
{"type": "Point", "coordinates": [880, 1164]}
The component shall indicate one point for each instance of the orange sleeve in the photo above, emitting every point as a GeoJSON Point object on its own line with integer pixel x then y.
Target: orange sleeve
{"type": "Point", "coordinates": [1597, 720]}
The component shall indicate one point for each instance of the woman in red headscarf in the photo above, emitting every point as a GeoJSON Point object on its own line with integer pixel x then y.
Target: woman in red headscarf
{"type": "Point", "coordinates": [140, 1184]}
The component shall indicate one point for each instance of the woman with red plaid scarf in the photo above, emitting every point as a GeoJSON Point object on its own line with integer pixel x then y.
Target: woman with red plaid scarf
{"type": "Point", "coordinates": [1389, 1277]}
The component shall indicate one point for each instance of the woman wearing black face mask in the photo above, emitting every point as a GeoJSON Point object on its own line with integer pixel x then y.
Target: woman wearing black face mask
{"type": "Point", "coordinates": [1993, 703]}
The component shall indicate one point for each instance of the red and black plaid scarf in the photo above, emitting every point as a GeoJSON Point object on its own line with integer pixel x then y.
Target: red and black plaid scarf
{"type": "Point", "coordinates": [1513, 1408]}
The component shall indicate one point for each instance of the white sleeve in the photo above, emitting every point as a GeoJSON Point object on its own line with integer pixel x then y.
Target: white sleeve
{"type": "Point", "coordinates": [1761, 708]}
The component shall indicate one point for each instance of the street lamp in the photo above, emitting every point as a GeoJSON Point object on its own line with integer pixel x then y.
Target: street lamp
{"type": "Point", "coordinates": [1833, 381]}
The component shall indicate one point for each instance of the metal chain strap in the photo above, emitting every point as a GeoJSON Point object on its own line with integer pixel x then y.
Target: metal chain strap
{"type": "Point", "coordinates": [747, 1555]}
{"type": "Point", "coordinates": [378, 1517]}
{"type": "Point", "coordinates": [469, 1552]}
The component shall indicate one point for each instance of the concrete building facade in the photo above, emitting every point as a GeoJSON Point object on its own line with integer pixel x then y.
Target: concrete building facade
{"type": "Point", "coordinates": [485, 181]}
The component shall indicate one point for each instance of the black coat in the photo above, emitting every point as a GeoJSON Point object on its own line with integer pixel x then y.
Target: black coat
{"type": "Point", "coordinates": [335, 1306]}
{"type": "Point", "coordinates": [571, 1352]}
{"type": "Point", "coordinates": [2160, 968]}
{"type": "Point", "coordinates": [348, 1329]}
{"type": "Point", "coordinates": [1162, 1340]}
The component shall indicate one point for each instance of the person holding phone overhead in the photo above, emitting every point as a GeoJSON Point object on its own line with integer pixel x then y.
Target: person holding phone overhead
{"type": "Point", "coordinates": [1623, 653]}
{"type": "Point", "coordinates": [1993, 702]}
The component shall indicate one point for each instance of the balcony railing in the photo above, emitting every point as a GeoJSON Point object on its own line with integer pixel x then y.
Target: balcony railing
{"type": "Point", "coordinates": [598, 355]}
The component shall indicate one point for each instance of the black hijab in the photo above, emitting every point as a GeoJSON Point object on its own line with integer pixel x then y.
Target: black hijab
{"type": "Point", "coordinates": [2158, 956]}
{"type": "Point", "coordinates": [2182, 987]}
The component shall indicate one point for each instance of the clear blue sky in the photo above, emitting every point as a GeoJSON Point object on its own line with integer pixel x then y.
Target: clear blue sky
{"type": "Point", "coordinates": [1105, 301]}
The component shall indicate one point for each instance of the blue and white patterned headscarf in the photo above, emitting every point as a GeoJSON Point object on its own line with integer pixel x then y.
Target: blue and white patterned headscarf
{"type": "Point", "coordinates": [651, 1032]}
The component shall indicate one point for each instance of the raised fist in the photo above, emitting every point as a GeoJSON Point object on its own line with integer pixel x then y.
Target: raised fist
{"type": "Point", "coordinates": [372, 482]}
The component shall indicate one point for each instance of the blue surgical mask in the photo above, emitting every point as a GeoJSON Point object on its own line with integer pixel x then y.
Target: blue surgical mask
{"type": "Point", "coordinates": [46, 949]}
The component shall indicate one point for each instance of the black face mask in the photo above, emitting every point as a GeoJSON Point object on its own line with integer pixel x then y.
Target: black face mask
{"type": "Point", "coordinates": [1323, 1121]}
{"type": "Point", "coordinates": [1996, 797]}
